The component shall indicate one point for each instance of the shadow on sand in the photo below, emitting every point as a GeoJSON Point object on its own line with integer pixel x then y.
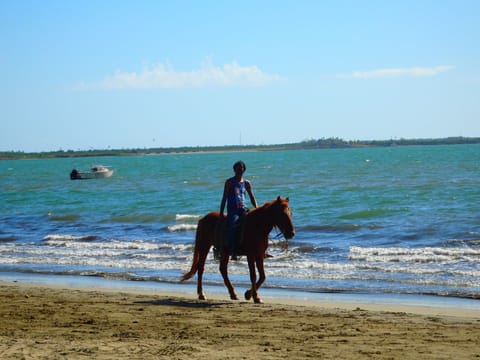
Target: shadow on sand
{"type": "Point", "coordinates": [186, 303]}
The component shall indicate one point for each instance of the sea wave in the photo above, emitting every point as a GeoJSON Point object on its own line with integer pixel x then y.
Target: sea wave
{"type": "Point", "coordinates": [182, 227]}
{"type": "Point", "coordinates": [415, 255]}
{"type": "Point", "coordinates": [63, 238]}
{"type": "Point", "coordinates": [133, 218]}
{"type": "Point", "coordinates": [87, 242]}
{"type": "Point", "coordinates": [5, 239]}
{"type": "Point", "coordinates": [338, 228]}
{"type": "Point", "coordinates": [66, 218]}
{"type": "Point", "coordinates": [186, 217]}
{"type": "Point", "coordinates": [184, 222]}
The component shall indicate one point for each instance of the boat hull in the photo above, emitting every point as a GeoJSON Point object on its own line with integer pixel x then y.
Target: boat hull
{"type": "Point", "coordinates": [94, 174]}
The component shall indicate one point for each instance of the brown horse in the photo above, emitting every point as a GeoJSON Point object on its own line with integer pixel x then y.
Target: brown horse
{"type": "Point", "coordinates": [257, 225]}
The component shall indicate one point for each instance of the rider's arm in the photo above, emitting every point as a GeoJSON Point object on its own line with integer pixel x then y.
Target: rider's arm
{"type": "Point", "coordinates": [251, 195]}
{"type": "Point", "coordinates": [226, 188]}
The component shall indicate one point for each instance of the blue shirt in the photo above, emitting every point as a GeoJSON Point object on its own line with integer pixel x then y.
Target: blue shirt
{"type": "Point", "coordinates": [236, 203]}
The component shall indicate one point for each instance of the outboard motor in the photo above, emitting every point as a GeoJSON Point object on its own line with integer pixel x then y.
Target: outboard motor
{"type": "Point", "coordinates": [74, 174]}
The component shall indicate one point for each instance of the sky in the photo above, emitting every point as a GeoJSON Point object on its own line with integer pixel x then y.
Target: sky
{"type": "Point", "coordinates": [113, 74]}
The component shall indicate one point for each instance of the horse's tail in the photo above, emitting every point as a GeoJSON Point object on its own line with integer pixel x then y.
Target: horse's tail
{"type": "Point", "coordinates": [196, 257]}
{"type": "Point", "coordinates": [202, 245]}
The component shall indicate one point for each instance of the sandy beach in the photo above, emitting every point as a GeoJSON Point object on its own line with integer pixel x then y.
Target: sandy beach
{"type": "Point", "coordinates": [47, 322]}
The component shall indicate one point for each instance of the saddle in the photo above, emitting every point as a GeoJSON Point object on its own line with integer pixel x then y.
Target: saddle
{"type": "Point", "coordinates": [221, 242]}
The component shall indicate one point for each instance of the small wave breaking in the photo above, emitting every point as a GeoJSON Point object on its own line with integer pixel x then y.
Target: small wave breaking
{"type": "Point", "coordinates": [414, 255]}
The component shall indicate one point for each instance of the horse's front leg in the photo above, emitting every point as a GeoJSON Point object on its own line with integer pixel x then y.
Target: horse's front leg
{"type": "Point", "coordinates": [253, 279]}
{"type": "Point", "coordinates": [261, 272]}
{"type": "Point", "coordinates": [226, 280]}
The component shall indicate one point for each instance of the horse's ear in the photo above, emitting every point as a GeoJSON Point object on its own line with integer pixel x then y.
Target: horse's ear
{"type": "Point", "coordinates": [278, 198]}
{"type": "Point", "coordinates": [288, 199]}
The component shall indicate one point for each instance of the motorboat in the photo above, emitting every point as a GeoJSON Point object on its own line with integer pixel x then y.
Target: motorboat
{"type": "Point", "coordinates": [96, 172]}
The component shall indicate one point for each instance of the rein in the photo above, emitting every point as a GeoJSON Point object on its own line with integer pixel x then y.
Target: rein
{"type": "Point", "coordinates": [280, 235]}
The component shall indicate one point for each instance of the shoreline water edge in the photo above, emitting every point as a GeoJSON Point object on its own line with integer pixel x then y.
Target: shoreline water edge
{"type": "Point", "coordinates": [411, 303]}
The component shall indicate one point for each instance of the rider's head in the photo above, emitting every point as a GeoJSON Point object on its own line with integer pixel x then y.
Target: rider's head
{"type": "Point", "coordinates": [239, 166]}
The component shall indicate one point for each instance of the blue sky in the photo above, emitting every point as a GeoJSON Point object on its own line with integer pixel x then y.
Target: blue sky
{"type": "Point", "coordinates": [132, 74]}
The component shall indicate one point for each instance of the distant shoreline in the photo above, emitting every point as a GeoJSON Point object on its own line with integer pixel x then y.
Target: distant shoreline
{"type": "Point", "coordinates": [324, 143]}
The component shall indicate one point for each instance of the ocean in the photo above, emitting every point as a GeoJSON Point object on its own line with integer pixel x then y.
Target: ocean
{"type": "Point", "coordinates": [396, 220]}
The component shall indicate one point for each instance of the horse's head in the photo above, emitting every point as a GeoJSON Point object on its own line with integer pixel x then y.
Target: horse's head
{"type": "Point", "coordinates": [283, 217]}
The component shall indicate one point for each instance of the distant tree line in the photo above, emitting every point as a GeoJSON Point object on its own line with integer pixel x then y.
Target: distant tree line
{"type": "Point", "coordinates": [340, 143]}
{"type": "Point", "coordinates": [323, 143]}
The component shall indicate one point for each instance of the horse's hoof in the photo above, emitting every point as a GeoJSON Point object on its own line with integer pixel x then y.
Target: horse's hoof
{"type": "Point", "coordinates": [202, 297]}
{"type": "Point", "coordinates": [248, 295]}
{"type": "Point", "coordinates": [258, 301]}
{"type": "Point", "coordinates": [234, 297]}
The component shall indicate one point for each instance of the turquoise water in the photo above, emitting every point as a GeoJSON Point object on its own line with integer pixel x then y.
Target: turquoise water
{"type": "Point", "coordinates": [374, 220]}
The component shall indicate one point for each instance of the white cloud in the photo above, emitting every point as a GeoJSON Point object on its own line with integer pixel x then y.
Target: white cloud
{"type": "Point", "coordinates": [164, 76]}
{"type": "Point", "coordinates": [401, 72]}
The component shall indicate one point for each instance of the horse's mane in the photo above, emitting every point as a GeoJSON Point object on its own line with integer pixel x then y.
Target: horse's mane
{"type": "Point", "coordinates": [261, 208]}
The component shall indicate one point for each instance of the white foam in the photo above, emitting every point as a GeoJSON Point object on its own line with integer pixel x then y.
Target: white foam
{"type": "Point", "coordinates": [187, 217]}
{"type": "Point", "coordinates": [422, 255]}
{"type": "Point", "coordinates": [182, 227]}
{"type": "Point", "coordinates": [65, 238]}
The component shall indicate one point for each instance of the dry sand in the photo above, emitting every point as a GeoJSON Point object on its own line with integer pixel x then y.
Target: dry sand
{"type": "Point", "coordinates": [45, 322]}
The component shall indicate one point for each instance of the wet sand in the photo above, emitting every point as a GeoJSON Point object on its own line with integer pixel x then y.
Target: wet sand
{"type": "Point", "coordinates": [47, 322]}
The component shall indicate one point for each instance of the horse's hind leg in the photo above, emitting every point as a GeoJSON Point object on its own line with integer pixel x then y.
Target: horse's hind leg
{"type": "Point", "coordinates": [226, 280]}
{"type": "Point", "coordinates": [201, 268]}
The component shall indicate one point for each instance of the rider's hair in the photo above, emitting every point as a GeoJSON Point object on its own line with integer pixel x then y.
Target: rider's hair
{"type": "Point", "coordinates": [241, 163]}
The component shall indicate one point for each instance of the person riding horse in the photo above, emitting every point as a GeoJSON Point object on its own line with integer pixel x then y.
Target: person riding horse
{"type": "Point", "coordinates": [259, 222]}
